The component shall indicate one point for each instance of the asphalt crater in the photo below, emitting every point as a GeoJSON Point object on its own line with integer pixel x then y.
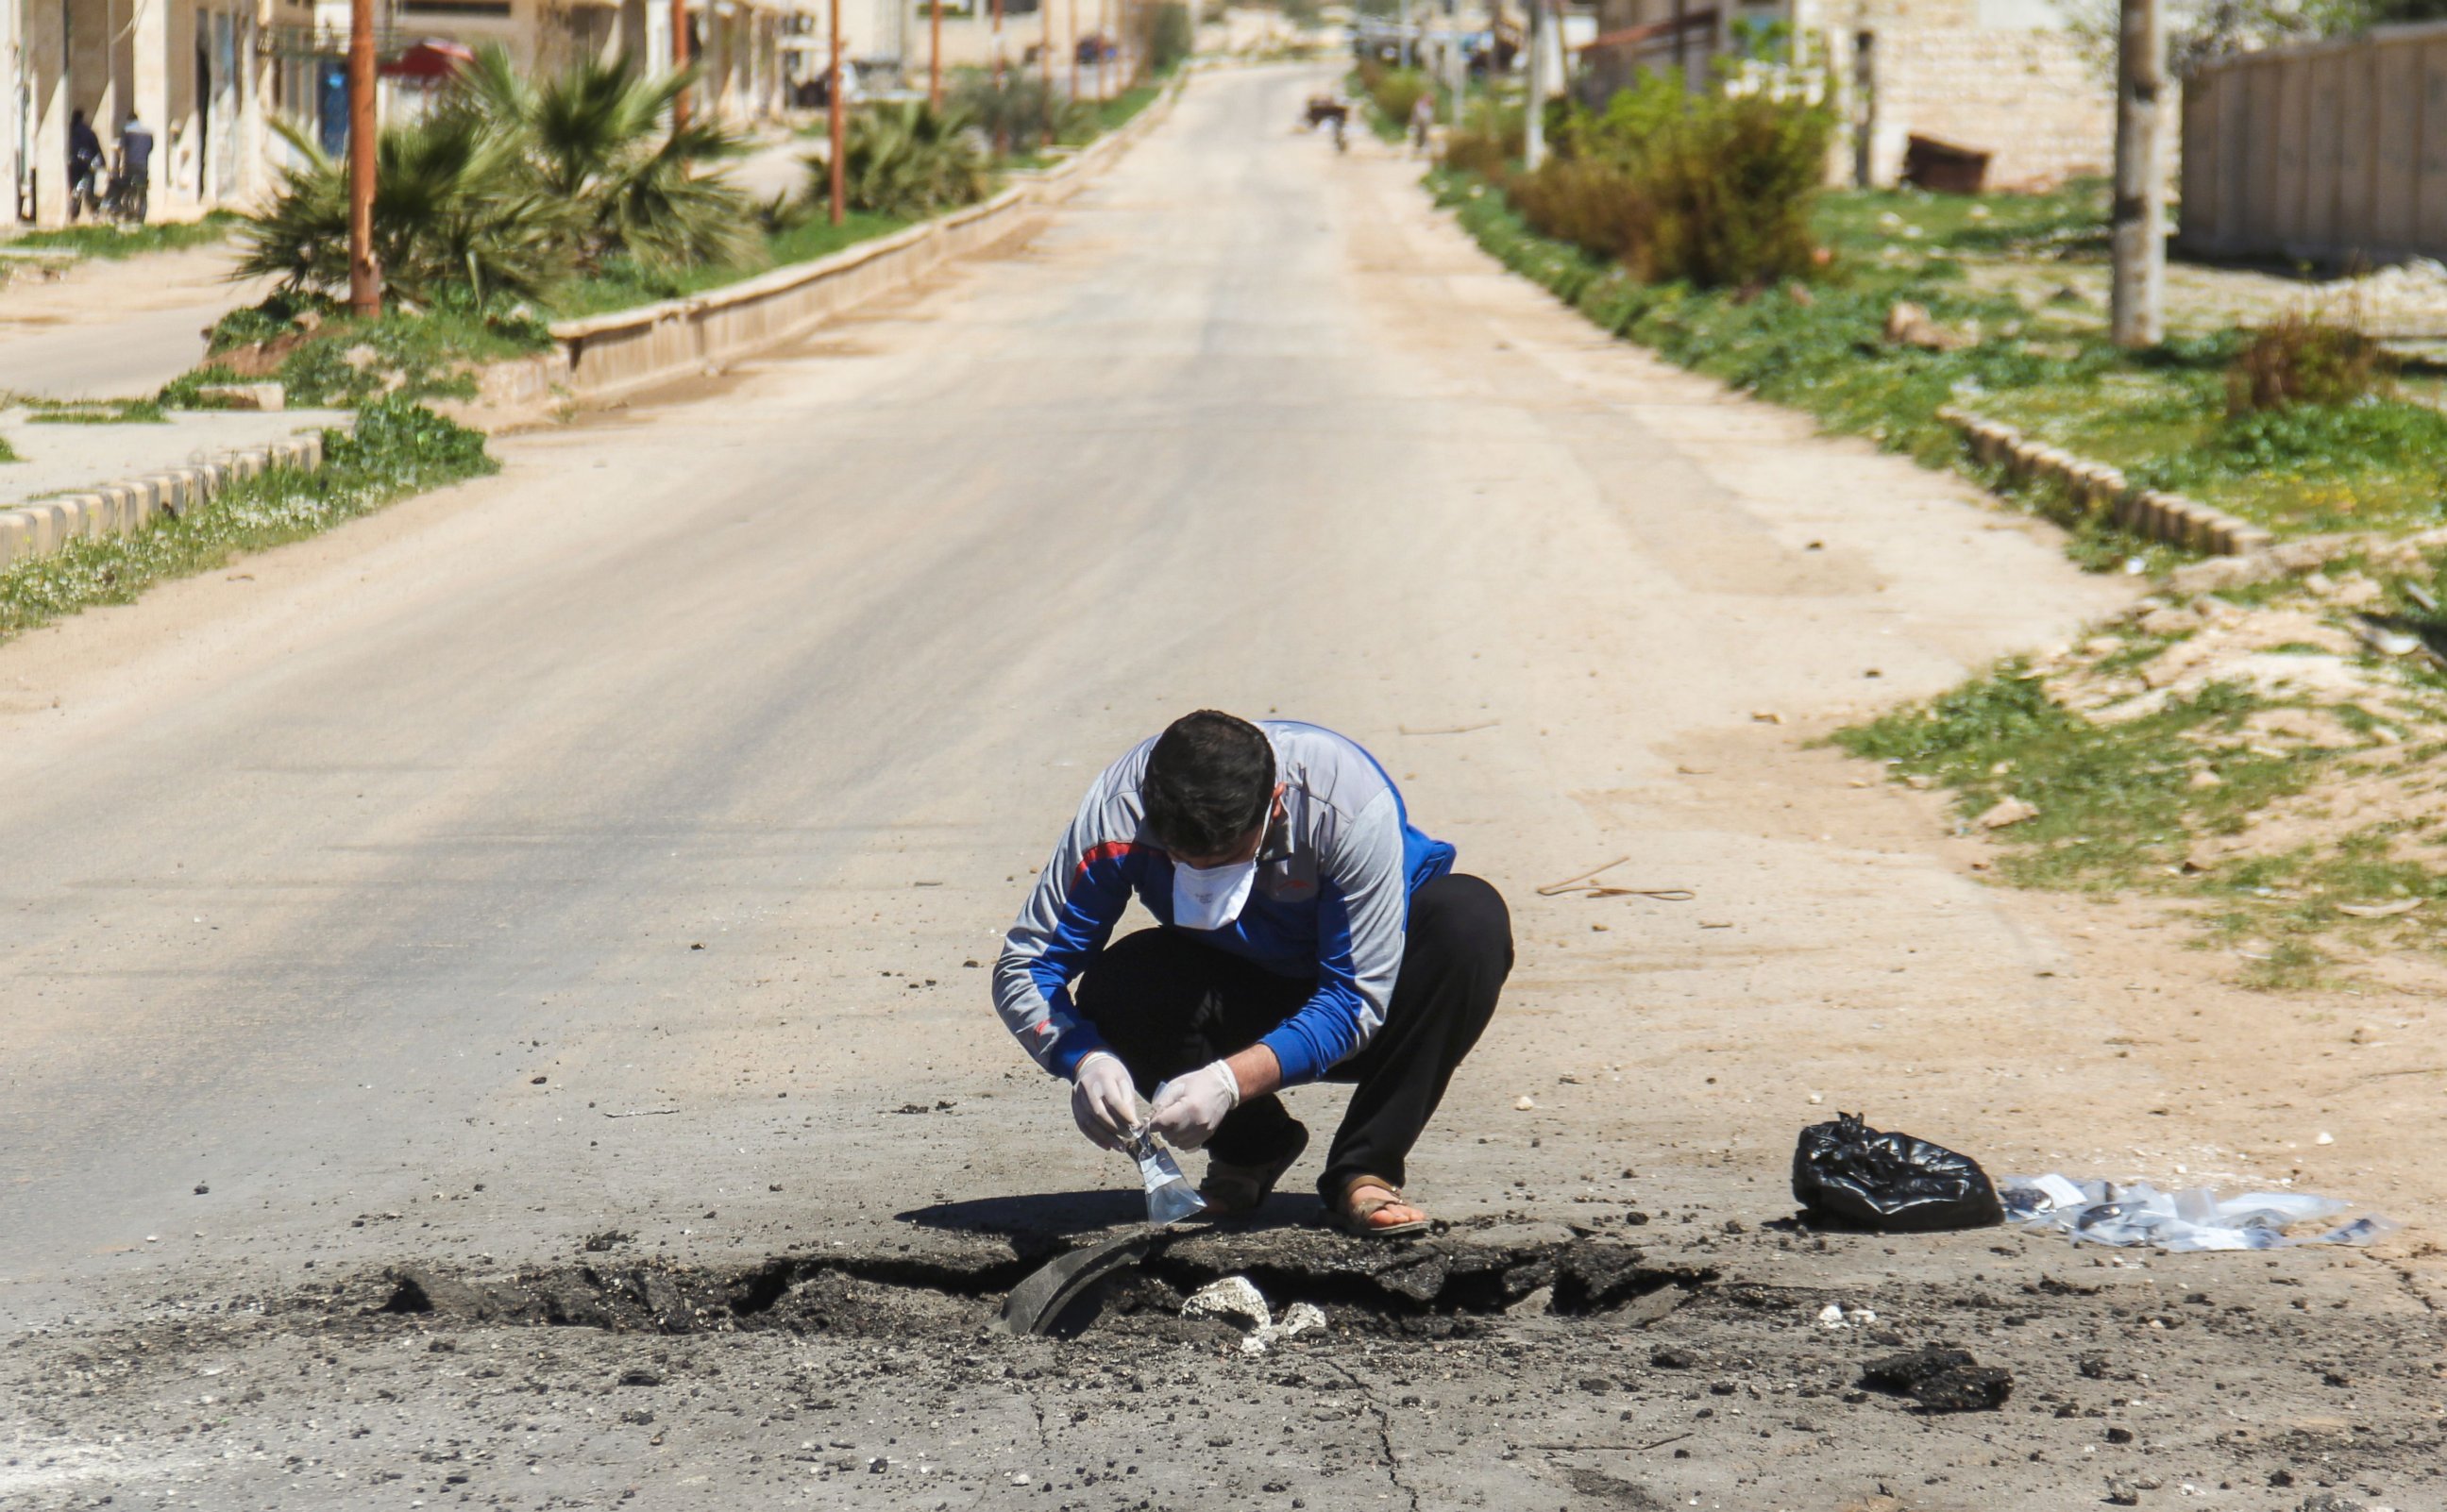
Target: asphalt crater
{"type": "Point", "coordinates": [1436, 1287]}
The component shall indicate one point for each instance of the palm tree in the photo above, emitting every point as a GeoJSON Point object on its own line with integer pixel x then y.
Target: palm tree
{"type": "Point", "coordinates": [593, 137]}
{"type": "Point", "coordinates": [454, 207]}
{"type": "Point", "coordinates": [907, 160]}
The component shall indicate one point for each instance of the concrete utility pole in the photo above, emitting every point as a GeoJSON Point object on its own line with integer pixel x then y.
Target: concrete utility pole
{"type": "Point", "coordinates": [1403, 20]}
{"type": "Point", "coordinates": [365, 280]}
{"type": "Point", "coordinates": [2137, 294]}
{"type": "Point", "coordinates": [935, 60]}
{"type": "Point", "coordinates": [1534, 118]}
{"type": "Point", "coordinates": [836, 117]}
{"type": "Point", "coordinates": [679, 61]}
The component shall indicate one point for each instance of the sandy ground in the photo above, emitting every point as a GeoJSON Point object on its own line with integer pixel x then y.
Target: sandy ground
{"type": "Point", "coordinates": [116, 329]}
{"type": "Point", "coordinates": [610, 850]}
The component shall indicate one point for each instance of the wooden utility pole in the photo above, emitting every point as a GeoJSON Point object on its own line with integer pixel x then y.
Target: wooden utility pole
{"type": "Point", "coordinates": [365, 280]}
{"type": "Point", "coordinates": [997, 44]}
{"type": "Point", "coordinates": [679, 61]}
{"type": "Point", "coordinates": [2137, 242]}
{"type": "Point", "coordinates": [935, 60]}
{"type": "Point", "coordinates": [1075, 47]}
{"type": "Point", "coordinates": [1045, 66]}
{"type": "Point", "coordinates": [836, 119]}
{"type": "Point", "coordinates": [1105, 48]}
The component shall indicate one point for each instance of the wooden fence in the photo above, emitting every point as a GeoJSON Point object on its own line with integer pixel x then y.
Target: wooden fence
{"type": "Point", "coordinates": [2334, 152]}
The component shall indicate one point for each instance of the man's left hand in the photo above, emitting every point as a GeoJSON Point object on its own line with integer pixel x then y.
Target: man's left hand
{"type": "Point", "coordinates": [1188, 1108]}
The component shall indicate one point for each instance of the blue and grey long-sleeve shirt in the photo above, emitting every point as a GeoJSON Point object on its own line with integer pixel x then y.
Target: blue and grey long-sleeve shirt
{"type": "Point", "coordinates": [1331, 901]}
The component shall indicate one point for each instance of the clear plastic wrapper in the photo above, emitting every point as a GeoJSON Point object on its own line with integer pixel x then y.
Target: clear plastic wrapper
{"type": "Point", "coordinates": [1171, 1197]}
{"type": "Point", "coordinates": [2192, 1219]}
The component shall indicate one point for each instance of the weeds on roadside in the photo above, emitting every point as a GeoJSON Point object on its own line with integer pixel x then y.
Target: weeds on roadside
{"type": "Point", "coordinates": [335, 360]}
{"type": "Point", "coordinates": [2304, 358]}
{"type": "Point", "coordinates": [2122, 807]}
{"type": "Point", "coordinates": [99, 412]}
{"type": "Point", "coordinates": [112, 241]}
{"type": "Point", "coordinates": [398, 448]}
{"type": "Point", "coordinates": [2376, 463]}
{"type": "Point", "coordinates": [1708, 188]}
{"type": "Point", "coordinates": [2113, 800]}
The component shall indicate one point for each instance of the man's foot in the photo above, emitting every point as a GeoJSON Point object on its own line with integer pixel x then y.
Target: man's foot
{"type": "Point", "coordinates": [1236, 1191]}
{"type": "Point", "coordinates": [1373, 1208]}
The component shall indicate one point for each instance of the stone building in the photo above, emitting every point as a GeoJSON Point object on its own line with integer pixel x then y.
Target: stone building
{"type": "Point", "coordinates": [2004, 78]}
{"type": "Point", "coordinates": [211, 76]}
{"type": "Point", "coordinates": [2001, 77]}
{"type": "Point", "coordinates": [192, 70]}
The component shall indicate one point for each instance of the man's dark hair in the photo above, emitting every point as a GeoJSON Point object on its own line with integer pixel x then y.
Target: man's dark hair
{"type": "Point", "coordinates": [1209, 781]}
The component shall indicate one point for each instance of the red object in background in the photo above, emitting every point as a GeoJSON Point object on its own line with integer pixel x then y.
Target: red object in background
{"type": "Point", "coordinates": [431, 59]}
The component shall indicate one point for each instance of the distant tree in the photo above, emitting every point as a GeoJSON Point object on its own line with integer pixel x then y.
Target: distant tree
{"type": "Point", "coordinates": [2202, 32]}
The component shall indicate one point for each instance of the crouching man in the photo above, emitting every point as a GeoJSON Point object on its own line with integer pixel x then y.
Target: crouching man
{"type": "Point", "coordinates": [1304, 932]}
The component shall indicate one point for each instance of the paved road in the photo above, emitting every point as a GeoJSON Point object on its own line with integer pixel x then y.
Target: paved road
{"type": "Point", "coordinates": [690, 769]}
{"type": "Point", "coordinates": [111, 329]}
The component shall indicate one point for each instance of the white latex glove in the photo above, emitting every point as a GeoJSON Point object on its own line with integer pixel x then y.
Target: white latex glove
{"type": "Point", "coordinates": [1188, 1106]}
{"type": "Point", "coordinates": [1102, 1102]}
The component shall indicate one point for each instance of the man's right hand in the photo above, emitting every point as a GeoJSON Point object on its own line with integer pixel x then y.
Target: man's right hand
{"type": "Point", "coordinates": [1102, 1102]}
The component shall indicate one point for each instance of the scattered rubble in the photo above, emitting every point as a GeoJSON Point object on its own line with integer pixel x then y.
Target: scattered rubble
{"type": "Point", "coordinates": [1941, 1380]}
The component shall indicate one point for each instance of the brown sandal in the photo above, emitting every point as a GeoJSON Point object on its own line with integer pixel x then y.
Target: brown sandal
{"type": "Point", "coordinates": [1351, 1217]}
{"type": "Point", "coordinates": [1236, 1191]}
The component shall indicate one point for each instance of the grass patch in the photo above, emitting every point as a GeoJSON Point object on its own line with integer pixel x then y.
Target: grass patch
{"type": "Point", "coordinates": [2115, 801]}
{"type": "Point", "coordinates": [399, 449]}
{"type": "Point", "coordinates": [624, 283]}
{"type": "Point", "coordinates": [2043, 364]}
{"type": "Point", "coordinates": [2122, 806]}
{"type": "Point", "coordinates": [105, 412]}
{"type": "Point", "coordinates": [8, 453]}
{"type": "Point", "coordinates": [115, 241]}
{"type": "Point", "coordinates": [1112, 115]}
{"type": "Point", "coordinates": [339, 361]}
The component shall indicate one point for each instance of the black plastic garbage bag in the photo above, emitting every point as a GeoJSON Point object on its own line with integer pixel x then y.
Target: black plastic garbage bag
{"type": "Point", "coordinates": [1848, 1174]}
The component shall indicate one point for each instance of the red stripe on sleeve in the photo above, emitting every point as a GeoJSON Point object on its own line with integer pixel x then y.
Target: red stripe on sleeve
{"type": "Point", "coordinates": [1102, 853]}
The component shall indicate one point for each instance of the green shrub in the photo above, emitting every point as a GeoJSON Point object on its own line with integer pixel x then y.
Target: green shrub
{"type": "Point", "coordinates": [1166, 36]}
{"type": "Point", "coordinates": [1019, 113]}
{"type": "Point", "coordinates": [510, 186]}
{"type": "Point", "coordinates": [453, 207]}
{"type": "Point", "coordinates": [1394, 91]}
{"type": "Point", "coordinates": [596, 136]}
{"type": "Point", "coordinates": [1594, 203]}
{"type": "Point", "coordinates": [907, 160]}
{"type": "Point", "coordinates": [2304, 358]}
{"type": "Point", "coordinates": [1489, 139]}
{"type": "Point", "coordinates": [1707, 188]}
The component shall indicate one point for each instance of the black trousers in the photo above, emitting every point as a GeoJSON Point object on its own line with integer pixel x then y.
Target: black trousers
{"type": "Point", "coordinates": [1168, 1003]}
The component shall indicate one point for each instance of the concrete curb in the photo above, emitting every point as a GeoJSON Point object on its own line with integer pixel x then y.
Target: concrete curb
{"type": "Point", "coordinates": [2099, 489]}
{"type": "Point", "coordinates": [124, 508]}
{"type": "Point", "coordinates": [607, 357]}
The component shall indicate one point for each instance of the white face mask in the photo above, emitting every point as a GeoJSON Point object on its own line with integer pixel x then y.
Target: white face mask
{"type": "Point", "coordinates": [1210, 897]}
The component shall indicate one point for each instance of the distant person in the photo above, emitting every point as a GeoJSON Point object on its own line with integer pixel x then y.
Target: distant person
{"type": "Point", "coordinates": [85, 164]}
{"type": "Point", "coordinates": [1423, 116]}
{"type": "Point", "coordinates": [135, 174]}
